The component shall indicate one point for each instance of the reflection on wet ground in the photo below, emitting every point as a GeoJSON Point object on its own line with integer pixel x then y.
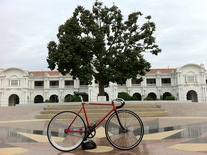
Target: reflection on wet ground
{"type": "Point", "coordinates": [191, 130]}
{"type": "Point", "coordinates": [8, 134]}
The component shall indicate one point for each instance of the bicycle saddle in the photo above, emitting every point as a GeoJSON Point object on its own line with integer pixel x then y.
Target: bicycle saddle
{"type": "Point", "coordinates": [88, 145]}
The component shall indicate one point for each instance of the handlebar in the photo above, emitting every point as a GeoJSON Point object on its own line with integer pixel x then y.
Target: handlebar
{"type": "Point", "coordinates": [121, 101]}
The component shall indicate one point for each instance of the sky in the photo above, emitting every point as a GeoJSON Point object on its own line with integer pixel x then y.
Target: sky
{"type": "Point", "coordinates": [27, 26]}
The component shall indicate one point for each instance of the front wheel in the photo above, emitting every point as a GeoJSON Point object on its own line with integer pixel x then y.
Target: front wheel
{"type": "Point", "coordinates": [66, 131]}
{"type": "Point", "coordinates": [128, 134]}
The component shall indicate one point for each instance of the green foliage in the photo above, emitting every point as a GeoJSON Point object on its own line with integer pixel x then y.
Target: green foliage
{"type": "Point", "coordinates": [48, 101]}
{"type": "Point", "coordinates": [100, 44]}
{"type": "Point", "coordinates": [170, 98]}
{"type": "Point", "coordinates": [72, 98]}
{"type": "Point", "coordinates": [85, 98]}
{"type": "Point", "coordinates": [125, 96]}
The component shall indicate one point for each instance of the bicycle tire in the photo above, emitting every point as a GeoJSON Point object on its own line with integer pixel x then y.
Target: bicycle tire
{"type": "Point", "coordinates": [131, 137]}
{"type": "Point", "coordinates": [56, 131]}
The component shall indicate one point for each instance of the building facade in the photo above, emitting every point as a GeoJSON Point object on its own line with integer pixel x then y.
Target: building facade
{"type": "Point", "coordinates": [18, 86]}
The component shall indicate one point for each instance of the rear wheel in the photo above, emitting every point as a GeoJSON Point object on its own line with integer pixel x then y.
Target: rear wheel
{"type": "Point", "coordinates": [129, 135]}
{"type": "Point", "coordinates": [57, 131]}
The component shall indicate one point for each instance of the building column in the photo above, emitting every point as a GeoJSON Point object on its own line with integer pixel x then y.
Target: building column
{"type": "Point", "coordinates": [76, 83]}
{"type": "Point", "coordinates": [0, 98]}
{"type": "Point", "coordinates": [144, 82]}
{"type": "Point", "coordinates": [158, 81]}
{"type": "Point", "coordinates": [179, 94]}
{"type": "Point", "coordinates": [204, 94]}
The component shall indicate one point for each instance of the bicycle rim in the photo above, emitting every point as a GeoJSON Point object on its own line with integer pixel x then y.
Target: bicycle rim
{"type": "Point", "coordinates": [56, 131]}
{"type": "Point", "coordinates": [124, 139]}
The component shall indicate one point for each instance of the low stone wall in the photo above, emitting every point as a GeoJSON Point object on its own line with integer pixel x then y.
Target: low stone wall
{"type": "Point", "coordinates": [159, 102]}
{"type": "Point", "coordinates": [180, 108]}
{"type": "Point", "coordinates": [174, 109]}
{"type": "Point", "coordinates": [192, 109]}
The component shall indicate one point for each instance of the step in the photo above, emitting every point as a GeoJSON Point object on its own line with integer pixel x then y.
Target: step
{"type": "Point", "coordinates": [100, 110]}
{"type": "Point", "coordinates": [143, 110]}
{"type": "Point", "coordinates": [127, 106]}
{"type": "Point", "coordinates": [98, 116]}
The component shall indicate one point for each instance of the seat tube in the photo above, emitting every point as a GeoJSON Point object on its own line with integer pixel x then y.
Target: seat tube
{"type": "Point", "coordinates": [85, 113]}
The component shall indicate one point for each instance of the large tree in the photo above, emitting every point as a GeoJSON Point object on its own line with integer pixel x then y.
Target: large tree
{"type": "Point", "coordinates": [101, 44]}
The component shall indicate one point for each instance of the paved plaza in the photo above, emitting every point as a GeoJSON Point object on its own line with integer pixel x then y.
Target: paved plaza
{"type": "Point", "coordinates": [22, 134]}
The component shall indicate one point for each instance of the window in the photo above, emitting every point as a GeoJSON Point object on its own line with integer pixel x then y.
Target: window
{"type": "Point", "coordinates": [39, 84]}
{"type": "Point", "coordinates": [136, 81]}
{"type": "Point", "coordinates": [54, 84]}
{"type": "Point", "coordinates": [14, 82]}
{"type": "Point", "coordinates": [190, 79]}
{"type": "Point", "coordinates": [83, 84]}
{"type": "Point", "coordinates": [69, 83]}
{"type": "Point", "coordinates": [166, 81]}
{"type": "Point", "coordinates": [151, 82]}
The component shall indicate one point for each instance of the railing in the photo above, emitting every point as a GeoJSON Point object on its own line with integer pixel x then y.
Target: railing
{"type": "Point", "coordinates": [151, 84]}
{"type": "Point", "coordinates": [38, 87]}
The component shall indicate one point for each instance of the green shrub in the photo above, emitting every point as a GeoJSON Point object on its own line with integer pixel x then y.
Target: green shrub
{"type": "Point", "coordinates": [125, 96]}
{"type": "Point", "coordinates": [48, 101]}
{"type": "Point", "coordinates": [72, 98]}
{"type": "Point", "coordinates": [170, 98]}
{"type": "Point", "coordinates": [85, 98]}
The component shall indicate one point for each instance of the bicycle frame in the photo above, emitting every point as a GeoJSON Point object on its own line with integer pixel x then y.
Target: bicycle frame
{"type": "Point", "coordinates": [68, 130]}
{"type": "Point", "coordinates": [83, 108]}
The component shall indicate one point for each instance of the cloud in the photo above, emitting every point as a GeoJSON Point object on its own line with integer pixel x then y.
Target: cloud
{"type": "Point", "coordinates": [28, 25]}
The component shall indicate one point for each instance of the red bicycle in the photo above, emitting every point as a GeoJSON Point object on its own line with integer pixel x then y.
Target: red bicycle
{"type": "Point", "coordinates": [123, 128]}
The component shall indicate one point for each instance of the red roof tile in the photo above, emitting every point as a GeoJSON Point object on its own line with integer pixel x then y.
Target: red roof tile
{"type": "Point", "coordinates": [42, 73]}
{"type": "Point", "coordinates": [53, 73]}
{"type": "Point", "coordinates": [162, 70]}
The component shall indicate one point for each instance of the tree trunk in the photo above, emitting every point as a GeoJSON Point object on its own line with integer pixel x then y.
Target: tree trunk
{"type": "Point", "coordinates": [101, 88]}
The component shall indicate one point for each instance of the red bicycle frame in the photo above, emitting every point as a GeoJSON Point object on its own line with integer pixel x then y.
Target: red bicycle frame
{"type": "Point", "coordinates": [86, 117]}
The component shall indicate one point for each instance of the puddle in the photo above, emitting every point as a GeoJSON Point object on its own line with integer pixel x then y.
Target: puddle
{"type": "Point", "coordinates": [191, 130]}
{"type": "Point", "coordinates": [10, 135]}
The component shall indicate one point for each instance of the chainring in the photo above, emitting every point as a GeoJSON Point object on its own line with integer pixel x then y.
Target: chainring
{"type": "Point", "coordinates": [90, 132]}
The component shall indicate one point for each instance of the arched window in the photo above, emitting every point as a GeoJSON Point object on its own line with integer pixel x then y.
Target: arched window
{"type": "Point", "coordinates": [13, 100]}
{"type": "Point", "coordinates": [137, 96]}
{"type": "Point", "coordinates": [38, 99]}
{"type": "Point", "coordinates": [54, 98]}
{"type": "Point", "coordinates": [152, 95]}
{"type": "Point", "coordinates": [166, 94]}
{"type": "Point", "coordinates": [192, 95]}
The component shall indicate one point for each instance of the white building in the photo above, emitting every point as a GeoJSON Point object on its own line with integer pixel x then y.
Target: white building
{"type": "Point", "coordinates": [18, 86]}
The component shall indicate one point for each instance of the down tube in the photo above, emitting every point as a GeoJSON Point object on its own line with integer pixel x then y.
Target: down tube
{"type": "Point", "coordinates": [73, 120]}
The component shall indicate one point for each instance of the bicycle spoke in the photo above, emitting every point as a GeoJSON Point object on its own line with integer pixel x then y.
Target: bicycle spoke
{"type": "Point", "coordinates": [126, 138]}
{"type": "Point", "coordinates": [57, 131]}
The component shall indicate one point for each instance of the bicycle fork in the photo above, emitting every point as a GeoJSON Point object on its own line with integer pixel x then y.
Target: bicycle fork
{"type": "Point", "coordinates": [123, 128]}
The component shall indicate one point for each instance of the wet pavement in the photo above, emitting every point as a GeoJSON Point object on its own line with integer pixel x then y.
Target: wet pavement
{"type": "Point", "coordinates": [163, 136]}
